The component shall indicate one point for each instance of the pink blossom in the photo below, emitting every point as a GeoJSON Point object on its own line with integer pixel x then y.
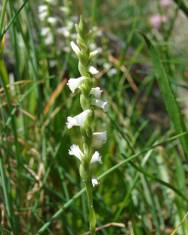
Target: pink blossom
{"type": "Point", "coordinates": [165, 3]}
{"type": "Point", "coordinates": [157, 20]}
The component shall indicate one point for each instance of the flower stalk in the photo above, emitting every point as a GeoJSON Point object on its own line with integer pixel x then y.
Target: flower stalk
{"type": "Point", "coordinates": [89, 101]}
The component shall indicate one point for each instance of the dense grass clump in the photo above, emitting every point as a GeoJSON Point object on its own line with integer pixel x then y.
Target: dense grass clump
{"type": "Point", "coordinates": [141, 66]}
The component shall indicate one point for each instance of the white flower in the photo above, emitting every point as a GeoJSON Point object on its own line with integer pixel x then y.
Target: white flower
{"type": "Point", "coordinates": [99, 138]}
{"type": "Point", "coordinates": [92, 46]}
{"type": "Point", "coordinates": [52, 20]}
{"type": "Point", "coordinates": [112, 72]}
{"type": "Point", "coordinates": [101, 104]}
{"type": "Point", "coordinates": [64, 9]}
{"type": "Point", "coordinates": [75, 151]}
{"type": "Point", "coordinates": [94, 182]}
{"type": "Point", "coordinates": [75, 48]}
{"type": "Point", "coordinates": [43, 15]}
{"type": "Point", "coordinates": [52, 63]}
{"type": "Point", "coordinates": [45, 31]}
{"type": "Point", "coordinates": [70, 25]}
{"type": "Point", "coordinates": [93, 70]}
{"type": "Point", "coordinates": [78, 120]}
{"type": "Point", "coordinates": [42, 8]}
{"type": "Point", "coordinates": [96, 157]}
{"type": "Point", "coordinates": [49, 39]}
{"type": "Point", "coordinates": [96, 91]}
{"type": "Point", "coordinates": [95, 52]}
{"type": "Point", "coordinates": [47, 34]}
{"type": "Point", "coordinates": [64, 31]}
{"type": "Point", "coordinates": [107, 66]}
{"type": "Point", "coordinates": [74, 83]}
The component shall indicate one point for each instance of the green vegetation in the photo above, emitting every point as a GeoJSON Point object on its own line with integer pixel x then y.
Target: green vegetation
{"type": "Point", "coordinates": [143, 72]}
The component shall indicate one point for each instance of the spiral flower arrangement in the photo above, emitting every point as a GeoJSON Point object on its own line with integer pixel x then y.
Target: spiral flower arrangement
{"type": "Point", "coordinates": [90, 100]}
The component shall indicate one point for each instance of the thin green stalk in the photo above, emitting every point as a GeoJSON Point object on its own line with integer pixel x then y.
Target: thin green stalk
{"type": "Point", "coordinates": [182, 6]}
{"type": "Point", "coordinates": [168, 94]}
{"type": "Point", "coordinates": [12, 20]}
{"type": "Point", "coordinates": [92, 217]}
{"type": "Point", "coordinates": [2, 17]}
{"type": "Point", "coordinates": [115, 167]}
{"type": "Point", "coordinates": [7, 198]}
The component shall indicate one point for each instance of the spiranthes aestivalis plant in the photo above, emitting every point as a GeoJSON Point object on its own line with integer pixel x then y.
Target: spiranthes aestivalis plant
{"type": "Point", "coordinates": [90, 100]}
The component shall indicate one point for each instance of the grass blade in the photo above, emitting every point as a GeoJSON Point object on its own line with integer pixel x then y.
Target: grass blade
{"type": "Point", "coordinates": [168, 94]}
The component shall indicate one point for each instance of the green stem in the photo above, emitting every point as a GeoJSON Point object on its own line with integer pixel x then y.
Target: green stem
{"type": "Point", "coordinates": [2, 17]}
{"type": "Point", "coordinates": [92, 217]}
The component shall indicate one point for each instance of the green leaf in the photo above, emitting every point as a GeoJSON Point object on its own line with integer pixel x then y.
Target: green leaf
{"type": "Point", "coordinates": [168, 95]}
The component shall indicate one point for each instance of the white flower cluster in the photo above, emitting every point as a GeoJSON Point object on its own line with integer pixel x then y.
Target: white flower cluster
{"type": "Point", "coordinates": [98, 138]}
{"type": "Point", "coordinates": [51, 19]}
{"type": "Point", "coordinates": [47, 21]}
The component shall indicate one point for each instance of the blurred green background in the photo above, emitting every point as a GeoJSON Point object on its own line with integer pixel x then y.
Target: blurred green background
{"type": "Point", "coordinates": [143, 72]}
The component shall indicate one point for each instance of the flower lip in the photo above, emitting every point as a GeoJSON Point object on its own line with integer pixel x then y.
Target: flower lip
{"type": "Point", "coordinates": [96, 158]}
{"type": "Point", "coordinates": [75, 83]}
{"type": "Point", "coordinates": [43, 15]}
{"type": "Point", "coordinates": [75, 151]}
{"type": "Point", "coordinates": [64, 31]}
{"type": "Point", "coordinates": [78, 120]}
{"type": "Point", "coordinates": [52, 20]}
{"type": "Point", "coordinates": [93, 70]}
{"type": "Point", "coordinates": [101, 104]}
{"type": "Point", "coordinates": [45, 31]}
{"type": "Point", "coordinates": [42, 8]}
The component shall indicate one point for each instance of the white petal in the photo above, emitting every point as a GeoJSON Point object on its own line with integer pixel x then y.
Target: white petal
{"type": "Point", "coordinates": [101, 104]}
{"type": "Point", "coordinates": [95, 182]}
{"type": "Point", "coordinates": [95, 52]}
{"type": "Point", "coordinates": [74, 83]}
{"type": "Point", "coordinates": [93, 70]}
{"type": "Point", "coordinates": [64, 31]}
{"type": "Point", "coordinates": [78, 120]}
{"type": "Point", "coordinates": [45, 31]}
{"type": "Point", "coordinates": [64, 9]}
{"type": "Point", "coordinates": [99, 138]}
{"type": "Point", "coordinates": [112, 72]}
{"type": "Point", "coordinates": [52, 63]}
{"type": "Point", "coordinates": [52, 20]}
{"type": "Point", "coordinates": [96, 91]}
{"type": "Point", "coordinates": [75, 48]}
{"type": "Point", "coordinates": [71, 122]}
{"type": "Point", "coordinates": [43, 15]}
{"type": "Point", "coordinates": [49, 39]}
{"type": "Point", "coordinates": [106, 66]}
{"type": "Point", "coordinates": [42, 8]}
{"type": "Point", "coordinates": [96, 157]}
{"type": "Point", "coordinates": [75, 151]}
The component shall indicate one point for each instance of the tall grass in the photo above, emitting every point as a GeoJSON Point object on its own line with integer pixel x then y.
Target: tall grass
{"type": "Point", "coordinates": [143, 178]}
